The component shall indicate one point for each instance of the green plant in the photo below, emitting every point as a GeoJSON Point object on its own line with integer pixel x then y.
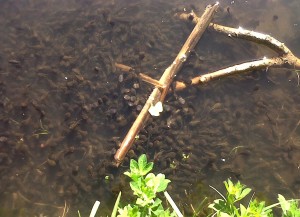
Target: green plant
{"type": "Point", "coordinates": [290, 208]}
{"type": "Point", "coordinates": [145, 186]}
{"type": "Point", "coordinates": [230, 205]}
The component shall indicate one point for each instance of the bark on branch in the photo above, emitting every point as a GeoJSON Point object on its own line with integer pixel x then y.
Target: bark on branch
{"type": "Point", "coordinates": [236, 69]}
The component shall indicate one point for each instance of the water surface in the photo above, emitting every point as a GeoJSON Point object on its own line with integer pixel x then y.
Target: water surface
{"type": "Point", "coordinates": [65, 108]}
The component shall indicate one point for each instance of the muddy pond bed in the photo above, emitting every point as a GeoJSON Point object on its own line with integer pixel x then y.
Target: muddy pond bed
{"type": "Point", "coordinates": [65, 108]}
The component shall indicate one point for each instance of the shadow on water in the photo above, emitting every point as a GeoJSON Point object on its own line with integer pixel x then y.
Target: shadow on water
{"type": "Point", "coordinates": [65, 108]}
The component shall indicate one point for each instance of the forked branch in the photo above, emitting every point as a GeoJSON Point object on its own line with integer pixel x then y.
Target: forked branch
{"type": "Point", "coordinates": [159, 94]}
{"type": "Point", "coordinates": [285, 59]}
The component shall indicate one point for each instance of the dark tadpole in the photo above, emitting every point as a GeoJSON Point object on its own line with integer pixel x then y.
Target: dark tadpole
{"type": "Point", "coordinates": [275, 17]}
{"type": "Point", "coordinates": [15, 63]}
{"type": "Point", "coordinates": [228, 10]}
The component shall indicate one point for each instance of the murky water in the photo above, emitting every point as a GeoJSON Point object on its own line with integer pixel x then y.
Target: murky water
{"type": "Point", "coordinates": [65, 108]}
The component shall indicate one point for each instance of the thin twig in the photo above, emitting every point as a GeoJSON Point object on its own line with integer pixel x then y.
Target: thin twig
{"type": "Point", "coordinates": [152, 81]}
{"type": "Point", "coordinates": [142, 76]}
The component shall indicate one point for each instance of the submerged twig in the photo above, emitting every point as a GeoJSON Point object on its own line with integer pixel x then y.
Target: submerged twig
{"type": "Point", "coordinates": [236, 69]}
{"type": "Point", "coordinates": [159, 94]}
{"type": "Point", "coordinates": [152, 81]}
{"type": "Point", "coordinates": [142, 76]}
{"type": "Point", "coordinates": [40, 204]}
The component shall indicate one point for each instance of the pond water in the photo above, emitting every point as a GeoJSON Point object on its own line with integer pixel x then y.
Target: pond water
{"type": "Point", "coordinates": [65, 107]}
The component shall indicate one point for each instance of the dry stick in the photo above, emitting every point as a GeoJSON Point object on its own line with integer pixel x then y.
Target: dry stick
{"type": "Point", "coordinates": [158, 94]}
{"type": "Point", "coordinates": [236, 69]}
{"type": "Point", "coordinates": [124, 67]}
{"type": "Point", "coordinates": [286, 57]}
{"type": "Point", "coordinates": [142, 76]}
{"type": "Point", "coordinates": [152, 81]}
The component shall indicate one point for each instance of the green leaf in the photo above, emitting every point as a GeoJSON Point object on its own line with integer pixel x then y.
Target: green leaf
{"type": "Point", "coordinates": [135, 186]}
{"type": "Point", "coordinates": [149, 177]}
{"type": "Point", "coordinates": [134, 166]}
{"type": "Point", "coordinates": [143, 202]}
{"type": "Point", "coordinates": [228, 185]}
{"type": "Point", "coordinates": [157, 183]}
{"type": "Point", "coordinates": [223, 214]}
{"type": "Point", "coordinates": [285, 205]}
{"type": "Point", "coordinates": [147, 168]}
{"type": "Point", "coordinates": [244, 193]}
{"type": "Point", "coordinates": [162, 182]}
{"type": "Point", "coordinates": [219, 205]}
{"type": "Point", "coordinates": [127, 173]}
{"type": "Point", "coordinates": [129, 211]}
{"type": "Point", "coordinates": [139, 168]}
{"type": "Point", "coordinates": [144, 166]}
{"type": "Point", "coordinates": [159, 211]}
{"type": "Point", "coordinates": [142, 161]}
{"type": "Point", "coordinates": [290, 208]}
{"type": "Point", "coordinates": [156, 203]}
{"type": "Point", "coordinates": [243, 211]}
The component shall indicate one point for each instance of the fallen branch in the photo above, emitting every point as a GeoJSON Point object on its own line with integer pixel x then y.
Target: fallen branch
{"type": "Point", "coordinates": [285, 59]}
{"type": "Point", "coordinates": [159, 94]}
{"type": "Point", "coordinates": [236, 69]}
